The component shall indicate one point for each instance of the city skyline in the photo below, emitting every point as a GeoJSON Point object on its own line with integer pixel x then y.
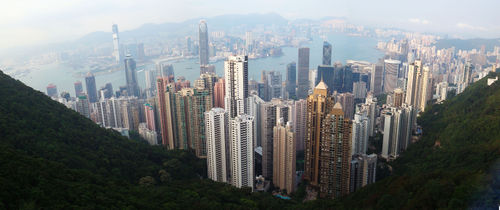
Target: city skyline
{"type": "Point", "coordinates": [25, 25]}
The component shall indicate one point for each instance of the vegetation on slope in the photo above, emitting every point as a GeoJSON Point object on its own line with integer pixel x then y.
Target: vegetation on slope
{"type": "Point", "coordinates": [51, 157]}
{"type": "Point", "coordinates": [450, 166]}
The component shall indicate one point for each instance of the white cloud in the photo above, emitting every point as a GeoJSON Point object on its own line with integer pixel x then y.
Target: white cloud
{"type": "Point", "coordinates": [466, 26]}
{"type": "Point", "coordinates": [419, 21]}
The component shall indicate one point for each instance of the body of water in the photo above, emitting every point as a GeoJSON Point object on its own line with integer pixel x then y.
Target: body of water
{"type": "Point", "coordinates": [344, 48]}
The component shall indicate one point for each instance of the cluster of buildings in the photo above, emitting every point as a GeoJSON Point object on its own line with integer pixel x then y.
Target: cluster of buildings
{"type": "Point", "coordinates": [250, 132]}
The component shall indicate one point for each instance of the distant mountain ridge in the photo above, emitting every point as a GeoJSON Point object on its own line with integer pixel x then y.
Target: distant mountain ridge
{"type": "Point", "coordinates": [185, 28]}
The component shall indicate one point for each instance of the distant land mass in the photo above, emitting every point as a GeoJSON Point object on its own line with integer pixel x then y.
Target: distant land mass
{"type": "Point", "coordinates": [468, 44]}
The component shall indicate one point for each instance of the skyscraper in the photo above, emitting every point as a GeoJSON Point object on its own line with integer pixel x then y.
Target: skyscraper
{"type": "Point", "coordinates": [165, 70]}
{"type": "Point", "coordinates": [267, 122]}
{"type": "Point", "coordinates": [284, 156]}
{"type": "Point", "coordinates": [52, 90]}
{"type": "Point", "coordinates": [467, 73]}
{"type": "Point", "coordinates": [391, 69]}
{"type": "Point", "coordinates": [219, 93]}
{"type": "Point", "coordinates": [78, 89]}
{"type": "Point", "coordinates": [376, 83]}
{"type": "Point", "coordinates": [91, 88]}
{"type": "Point", "coordinates": [360, 134]}
{"type": "Point", "coordinates": [335, 154]}
{"type": "Point", "coordinates": [319, 104]}
{"type": "Point", "coordinates": [417, 85]}
{"type": "Point", "coordinates": [218, 145]}
{"type": "Point", "coordinates": [398, 97]}
{"type": "Point", "coordinates": [248, 41]}
{"type": "Point", "coordinates": [274, 84]}
{"type": "Point", "coordinates": [303, 73]}
{"type": "Point", "coordinates": [165, 115]}
{"type": "Point", "coordinates": [131, 77]}
{"type": "Point", "coordinates": [363, 171]}
{"type": "Point", "coordinates": [397, 130]}
{"type": "Point", "coordinates": [150, 76]}
{"type": "Point", "coordinates": [236, 76]}
{"type": "Point", "coordinates": [83, 106]}
{"type": "Point", "coordinates": [116, 44]}
{"type": "Point", "coordinates": [242, 151]}
{"type": "Point", "coordinates": [327, 53]}
{"type": "Point", "coordinates": [299, 119]}
{"type": "Point", "coordinates": [149, 113]}
{"type": "Point", "coordinates": [203, 45]}
{"type": "Point", "coordinates": [326, 73]}
{"type": "Point", "coordinates": [347, 102]}
{"type": "Point", "coordinates": [291, 79]}
{"type": "Point", "coordinates": [196, 103]}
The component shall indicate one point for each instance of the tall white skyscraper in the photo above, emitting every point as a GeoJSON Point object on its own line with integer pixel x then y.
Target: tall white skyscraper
{"type": "Point", "coordinates": [218, 153]}
{"type": "Point", "coordinates": [116, 44]}
{"type": "Point", "coordinates": [203, 43]}
{"type": "Point", "coordinates": [242, 151]}
{"type": "Point", "coordinates": [236, 78]}
{"type": "Point", "coordinates": [360, 134]}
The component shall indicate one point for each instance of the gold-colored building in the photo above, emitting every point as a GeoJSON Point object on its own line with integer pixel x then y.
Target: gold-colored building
{"type": "Point", "coordinates": [319, 105]}
{"type": "Point", "coordinates": [335, 154]}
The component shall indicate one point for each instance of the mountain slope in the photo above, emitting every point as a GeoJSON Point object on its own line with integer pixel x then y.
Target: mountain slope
{"type": "Point", "coordinates": [51, 157]}
{"type": "Point", "coordinates": [450, 166]}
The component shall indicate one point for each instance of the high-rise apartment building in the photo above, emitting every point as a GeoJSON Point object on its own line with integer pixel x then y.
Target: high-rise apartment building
{"type": "Point", "coordinates": [218, 145]}
{"type": "Point", "coordinates": [363, 171]}
{"type": "Point", "coordinates": [335, 154]}
{"type": "Point", "coordinates": [165, 98]}
{"type": "Point", "coordinates": [417, 85]}
{"type": "Point", "coordinates": [219, 93]}
{"type": "Point", "coordinates": [360, 133]}
{"type": "Point", "coordinates": [398, 98]}
{"type": "Point", "coordinates": [299, 121]}
{"type": "Point", "coordinates": [284, 156]}
{"type": "Point", "coordinates": [236, 76]}
{"type": "Point", "coordinates": [242, 151]}
{"type": "Point", "coordinates": [83, 106]}
{"type": "Point", "coordinates": [398, 124]}
{"type": "Point", "coordinates": [303, 73]}
{"type": "Point", "coordinates": [319, 104]}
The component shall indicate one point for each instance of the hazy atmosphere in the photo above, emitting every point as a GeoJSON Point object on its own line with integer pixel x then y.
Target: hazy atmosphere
{"type": "Point", "coordinates": [28, 22]}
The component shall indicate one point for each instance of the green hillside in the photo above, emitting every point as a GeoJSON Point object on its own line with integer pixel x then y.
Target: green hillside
{"type": "Point", "coordinates": [455, 164]}
{"type": "Point", "coordinates": [51, 157]}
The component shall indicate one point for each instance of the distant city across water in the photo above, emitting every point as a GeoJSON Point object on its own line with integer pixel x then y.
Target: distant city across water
{"type": "Point", "coordinates": [344, 48]}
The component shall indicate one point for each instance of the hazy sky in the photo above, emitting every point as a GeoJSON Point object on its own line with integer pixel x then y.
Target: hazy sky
{"type": "Point", "coordinates": [27, 22]}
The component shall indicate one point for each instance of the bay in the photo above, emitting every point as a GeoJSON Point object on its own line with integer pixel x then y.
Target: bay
{"type": "Point", "coordinates": [344, 48]}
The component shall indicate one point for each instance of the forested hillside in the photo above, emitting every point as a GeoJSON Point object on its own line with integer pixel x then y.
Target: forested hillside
{"type": "Point", "coordinates": [51, 157]}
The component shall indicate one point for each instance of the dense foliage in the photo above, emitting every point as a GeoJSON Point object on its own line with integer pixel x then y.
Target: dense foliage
{"type": "Point", "coordinates": [51, 157]}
